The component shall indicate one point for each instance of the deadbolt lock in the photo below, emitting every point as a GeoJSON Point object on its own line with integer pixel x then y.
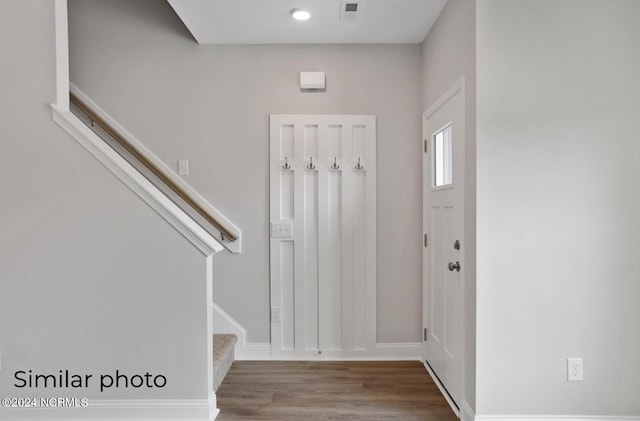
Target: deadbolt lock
{"type": "Point", "coordinates": [456, 245]}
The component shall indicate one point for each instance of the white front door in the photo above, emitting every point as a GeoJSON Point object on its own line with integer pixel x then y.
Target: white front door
{"type": "Point", "coordinates": [443, 255]}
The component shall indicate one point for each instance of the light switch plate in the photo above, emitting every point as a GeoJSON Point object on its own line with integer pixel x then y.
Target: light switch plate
{"type": "Point", "coordinates": [183, 167]}
{"type": "Point", "coordinates": [281, 229]}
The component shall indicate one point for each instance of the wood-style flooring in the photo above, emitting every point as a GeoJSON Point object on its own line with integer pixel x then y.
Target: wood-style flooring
{"type": "Point", "coordinates": [349, 390]}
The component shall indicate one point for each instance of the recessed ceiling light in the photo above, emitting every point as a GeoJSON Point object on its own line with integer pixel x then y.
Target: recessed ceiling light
{"type": "Point", "coordinates": [300, 14]}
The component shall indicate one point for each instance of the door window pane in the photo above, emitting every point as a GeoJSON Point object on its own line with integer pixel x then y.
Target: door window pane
{"type": "Point", "coordinates": [442, 157]}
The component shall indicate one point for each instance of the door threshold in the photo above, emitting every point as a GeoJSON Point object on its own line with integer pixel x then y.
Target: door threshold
{"type": "Point", "coordinates": [443, 390]}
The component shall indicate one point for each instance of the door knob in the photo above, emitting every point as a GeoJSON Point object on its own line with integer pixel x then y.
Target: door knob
{"type": "Point", "coordinates": [454, 266]}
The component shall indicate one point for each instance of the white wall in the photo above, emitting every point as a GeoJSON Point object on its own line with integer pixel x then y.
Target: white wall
{"type": "Point", "coordinates": [558, 206]}
{"type": "Point", "coordinates": [91, 279]}
{"type": "Point", "coordinates": [210, 104]}
{"type": "Point", "coordinates": [448, 53]}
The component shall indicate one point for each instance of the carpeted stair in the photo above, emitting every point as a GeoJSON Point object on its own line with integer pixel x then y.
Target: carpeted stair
{"type": "Point", "coordinates": [223, 356]}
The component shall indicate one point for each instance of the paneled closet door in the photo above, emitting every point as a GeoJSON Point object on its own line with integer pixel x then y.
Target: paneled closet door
{"type": "Point", "coordinates": [323, 236]}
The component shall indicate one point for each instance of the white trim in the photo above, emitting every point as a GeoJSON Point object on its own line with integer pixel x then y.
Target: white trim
{"type": "Point", "coordinates": [224, 323]}
{"type": "Point", "coordinates": [256, 352]}
{"type": "Point", "coordinates": [381, 352]}
{"type": "Point", "coordinates": [124, 410]}
{"type": "Point", "coordinates": [458, 85]}
{"type": "Point", "coordinates": [213, 405]}
{"type": "Point", "coordinates": [150, 403]}
{"type": "Point", "coordinates": [210, 321]}
{"type": "Point", "coordinates": [182, 222]}
{"type": "Point", "coordinates": [62, 55]}
{"type": "Point", "coordinates": [409, 351]}
{"type": "Point", "coordinates": [466, 413]}
{"type": "Point", "coordinates": [556, 418]}
{"type": "Point", "coordinates": [233, 247]}
{"type": "Point", "coordinates": [442, 390]}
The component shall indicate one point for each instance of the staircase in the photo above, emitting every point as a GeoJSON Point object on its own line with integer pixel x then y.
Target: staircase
{"type": "Point", "coordinates": [223, 356]}
{"type": "Point", "coordinates": [170, 196]}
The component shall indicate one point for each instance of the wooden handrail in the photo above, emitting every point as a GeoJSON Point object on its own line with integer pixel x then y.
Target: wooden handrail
{"type": "Point", "coordinates": [140, 157]}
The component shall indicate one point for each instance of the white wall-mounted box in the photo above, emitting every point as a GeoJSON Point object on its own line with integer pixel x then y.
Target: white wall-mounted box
{"type": "Point", "coordinates": [312, 80]}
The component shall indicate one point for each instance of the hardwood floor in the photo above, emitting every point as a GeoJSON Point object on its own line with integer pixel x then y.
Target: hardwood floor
{"type": "Point", "coordinates": [350, 390]}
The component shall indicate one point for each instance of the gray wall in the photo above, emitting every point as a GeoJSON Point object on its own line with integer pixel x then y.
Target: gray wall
{"type": "Point", "coordinates": [558, 206]}
{"type": "Point", "coordinates": [91, 279]}
{"type": "Point", "coordinates": [210, 104]}
{"type": "Point", "coordinates": [448, 53]}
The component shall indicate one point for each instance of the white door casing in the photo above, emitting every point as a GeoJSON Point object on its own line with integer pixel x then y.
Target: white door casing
{"type": "Point", "coordinates": [323, 236]}
{"type": "Point", "coordinates": [443, 220]}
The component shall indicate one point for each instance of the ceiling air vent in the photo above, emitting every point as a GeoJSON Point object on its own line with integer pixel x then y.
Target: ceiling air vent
{"type": "Point", "coordinates": [348, 11]}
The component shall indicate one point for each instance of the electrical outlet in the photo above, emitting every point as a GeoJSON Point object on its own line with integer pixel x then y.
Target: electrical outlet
{"type": "Point", "coordinates": [275, 315]}
{"type": "Point", "coordinates": [574, 369]}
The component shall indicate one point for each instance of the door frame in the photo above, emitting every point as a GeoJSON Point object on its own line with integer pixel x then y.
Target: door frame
{"type": "Point", "coordinates": [455, 88]}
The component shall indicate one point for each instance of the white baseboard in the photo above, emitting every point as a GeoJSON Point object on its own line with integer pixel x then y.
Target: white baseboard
{"type": "Point", "coordinates": [380, 352]}
{"type": "Point", "coordinates": [213, 406]}
{"type": "Point", "coordinates": [444, 393]}
{"type": "Point", "coordinates": [256, 352]}
{"type": "Point", "coordinates": [122, 410]}
{"type": "Point", "coordinates": [390, 352]}
{"type": "Point", "coordinates": [466, 413]}
{"type": "Point", "coordinates": [400, 351]}
{"type": "Point", "coordinates": [556, 418]}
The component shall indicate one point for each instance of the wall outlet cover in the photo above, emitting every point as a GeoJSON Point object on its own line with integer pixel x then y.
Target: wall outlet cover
{"type": "Point", "coordinates": [574, 370]}
{"type": "Point", "coordinates": [275, 315]}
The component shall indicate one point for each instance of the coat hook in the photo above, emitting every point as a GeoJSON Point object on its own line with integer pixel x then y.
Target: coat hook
{"type": "Point", "coordinates": [358, 167]}
{"type": "Point", "coordinates": [335, 165]}
{"type": "Point", "coordinates": [286, 165]}
{"type": "Point", "coordinates": [311, 166]}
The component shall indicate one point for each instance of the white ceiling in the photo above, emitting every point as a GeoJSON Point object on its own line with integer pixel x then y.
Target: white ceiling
{"type": "Point", "coordinates": [269, 22]}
